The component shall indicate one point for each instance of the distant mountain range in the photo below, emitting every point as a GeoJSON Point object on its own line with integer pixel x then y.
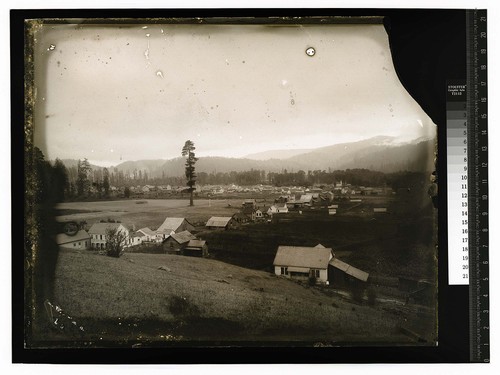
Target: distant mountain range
{"type": "Point", "coordinates": [381, 153]}
{"type": "Point", "coordinates": [277, 154]}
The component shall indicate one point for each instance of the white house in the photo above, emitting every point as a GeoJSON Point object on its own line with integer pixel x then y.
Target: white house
{"type": "Point", "coordinates": [136, 238]}
{"type": "Point", "coordinates": [277, 209]}
{"type": "Point", "coordinates": [303, 263]}
{"type": "Point", "coordinates": [97, 234]}
{"type": "Point", "coordinates": [148, 234]}
{"type": "Point", "coordinates": [79, 241]}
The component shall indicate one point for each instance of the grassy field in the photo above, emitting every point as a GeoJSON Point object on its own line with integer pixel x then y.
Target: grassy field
{"type": "Point", "coordinates": [159, 299]}
{"type": "Point", "coordinates": [147, 213]}
{"type": "Point", "coordinates": [168, 299]}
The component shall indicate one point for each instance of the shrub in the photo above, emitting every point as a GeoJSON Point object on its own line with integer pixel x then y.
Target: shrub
{"type": "Point", "coordinates": [357, 292]}
{"type": "Point", "coordinates": [372, 296]}
{"type": "Point", "coordinates": [182, 307]}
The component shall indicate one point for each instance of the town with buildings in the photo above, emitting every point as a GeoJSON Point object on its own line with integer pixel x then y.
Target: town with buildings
{"type": "Point", "coordinates": [177, 235]}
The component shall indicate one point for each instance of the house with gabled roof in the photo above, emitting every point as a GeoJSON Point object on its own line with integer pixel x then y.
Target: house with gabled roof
{"type": "Point", "coordinates": [172, 225]}
{"type": "Point", "coordinates": [277, 209]}
{"type": "Point", "coordinates": [303, 263]}
{"type": "Point", "coordinates": [221, 222]}
{"type": "Point", "coordinates": [147, 234]}
{"type": "Point", "coordinates": [306, 199]}
{"type": "Point", "coordinates": [97, 234]}
{"type": "Point", "coordinates": [176, 242]}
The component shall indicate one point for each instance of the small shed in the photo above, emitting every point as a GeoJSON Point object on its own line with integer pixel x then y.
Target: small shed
{"type": "Point", "coordinates": [343, 274]}
{"type": "Point", "coordinates": [196, 248]}
{"type": "Point", "coordinates": [221, 222]}
{"type": "Point", "coordinates": [176, 242]}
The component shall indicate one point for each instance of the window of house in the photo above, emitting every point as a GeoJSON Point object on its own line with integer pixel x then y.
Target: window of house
{"type": "Point", "coordinates": [284, 270]}
{"type": "Point", "coordinates": [171, 245]}
{"type": "Point", "coordinates": [74, 244]}
{"type": "Point", "coordinates": [315, 273]}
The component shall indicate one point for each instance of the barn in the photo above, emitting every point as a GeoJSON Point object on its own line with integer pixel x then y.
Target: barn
{"type": "Point", "coordinates": [303, 263]}
{"type": "Point", "coordinates": [221, 222]}
{"type": "Point", "coordinates": [342, 274]}
{"type": "Point", "coordinates": [196, 248]}
{"type": "Point", "coordinates": [176, 242]}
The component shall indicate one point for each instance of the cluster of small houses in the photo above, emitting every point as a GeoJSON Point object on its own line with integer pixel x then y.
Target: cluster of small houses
{"type": "Point", "coordinates": [300, 263]}
{"type": "Point", "coordinates": [339, 188]}
{"type": "Point", "coordinates": [176, 237]}
{"type": "Point", "coordinates": [317, 264]}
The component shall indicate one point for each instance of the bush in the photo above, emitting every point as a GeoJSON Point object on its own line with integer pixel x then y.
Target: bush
{"type": "Point", "coordinates": [312, 281]}
{"type": "Point", "coordinates": [182, 307]}
{"type": "Point", "coordinates": [357, 293]}
{"type": "Point", "coordinates": [372, 296]}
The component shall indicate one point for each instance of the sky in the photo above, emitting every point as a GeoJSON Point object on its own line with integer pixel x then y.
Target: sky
{"type": "Point", "coordinates": [115, 93]}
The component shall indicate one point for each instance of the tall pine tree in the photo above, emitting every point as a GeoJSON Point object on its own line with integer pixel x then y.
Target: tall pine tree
{"type": "Point", "coordinates": [191, 159]}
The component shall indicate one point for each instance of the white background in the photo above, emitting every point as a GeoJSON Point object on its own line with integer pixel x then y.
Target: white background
{"type": "Point", "coordinates": [5, 193]}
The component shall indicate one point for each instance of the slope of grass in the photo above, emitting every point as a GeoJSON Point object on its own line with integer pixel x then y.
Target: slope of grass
{"type": "Point", "coordinates": [153, 297]}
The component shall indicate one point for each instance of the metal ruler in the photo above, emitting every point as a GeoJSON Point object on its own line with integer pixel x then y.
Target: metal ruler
{"type": "Point", "coordinates": [477, 140]}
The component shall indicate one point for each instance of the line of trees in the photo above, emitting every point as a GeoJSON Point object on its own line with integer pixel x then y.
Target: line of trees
{"type": "Point", "coordinates": [82, 181]}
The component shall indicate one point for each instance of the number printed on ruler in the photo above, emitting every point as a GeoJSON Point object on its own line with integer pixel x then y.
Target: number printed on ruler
{"type": "Point", "coordinates": [465, 212]}
{"type": "Point", "coordinates": [458, 210]}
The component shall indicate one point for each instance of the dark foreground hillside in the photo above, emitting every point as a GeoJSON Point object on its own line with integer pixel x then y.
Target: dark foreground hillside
{"type": "Point", "coordinates": [149, 299]}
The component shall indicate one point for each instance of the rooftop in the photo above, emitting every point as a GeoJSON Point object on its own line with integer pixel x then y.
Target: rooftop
{"type": "Point", "coordinates": [195, 244]}
{"type": "Point", "coordinates": [183, 237]}
{"type": "Point", "coordinates": [218, 221]}
{"type": "Point", "coordinates": [348, 269]}
{"type": "Point", "coordinates": [172, 223]}
{"type": "Point", "coordinates": [298, 256]}
{"type": "Point", "coordinates": [147, 231]}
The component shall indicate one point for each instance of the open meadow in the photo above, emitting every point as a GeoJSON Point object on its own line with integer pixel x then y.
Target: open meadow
{"type": "Point", "coordinates": [147, 212]}
{"type": "Point", "coordinates": [167, 299]}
